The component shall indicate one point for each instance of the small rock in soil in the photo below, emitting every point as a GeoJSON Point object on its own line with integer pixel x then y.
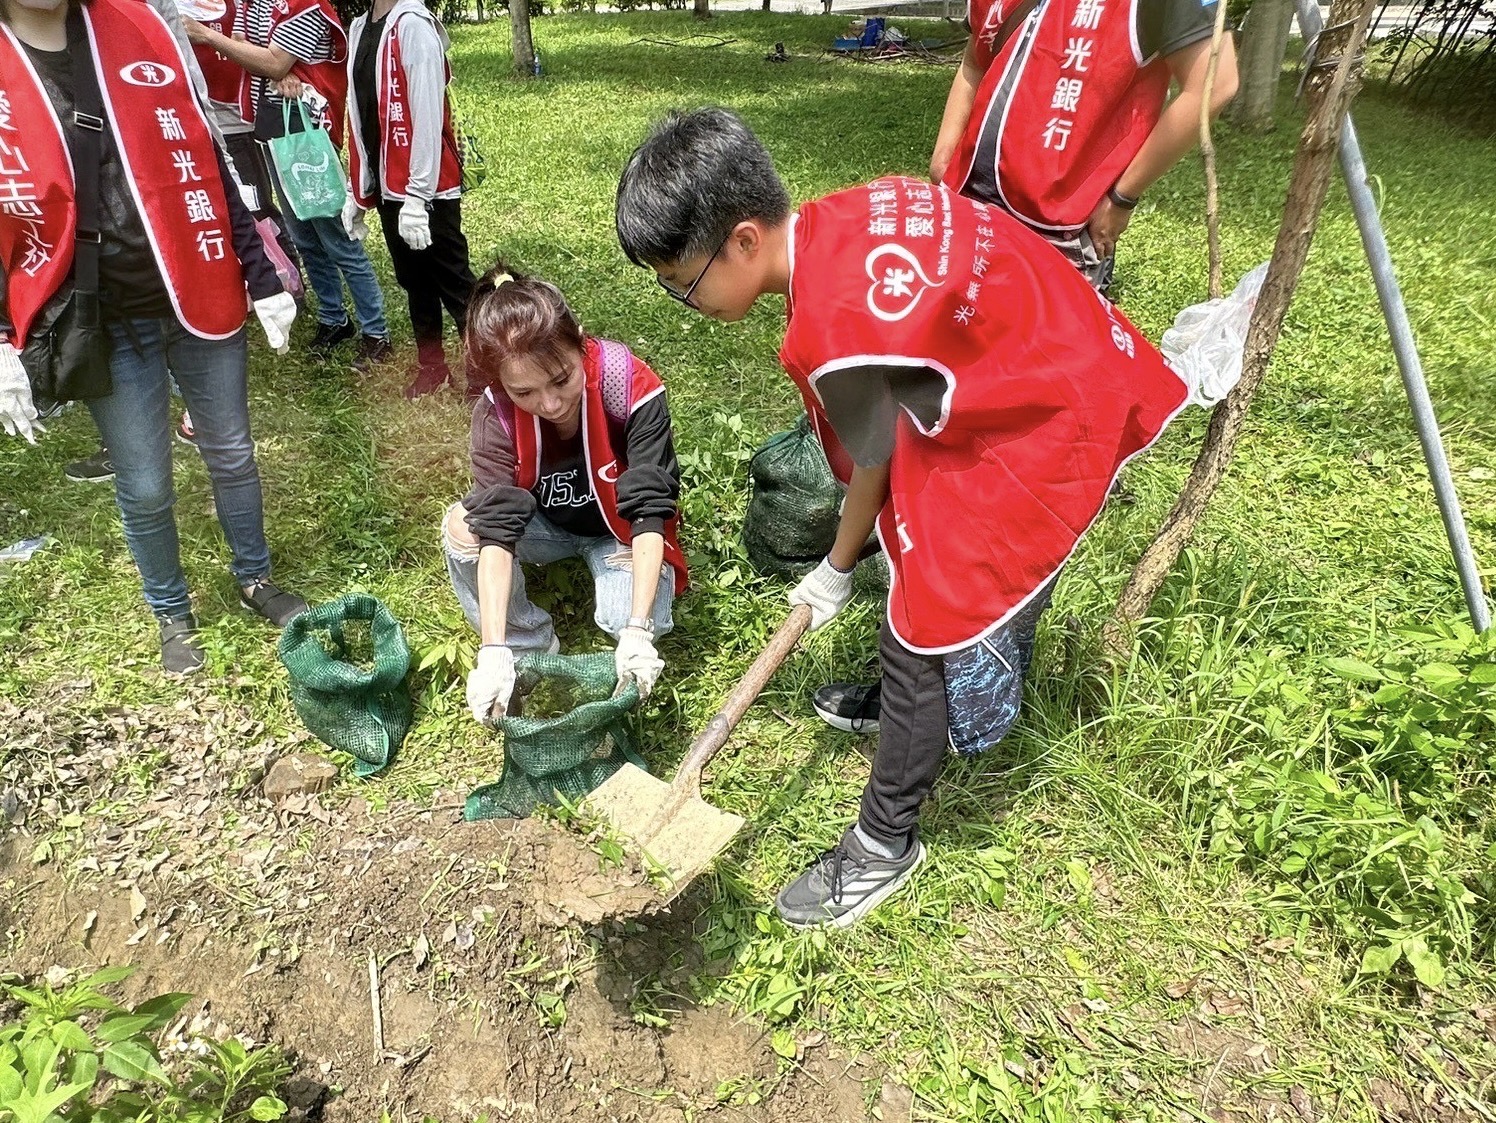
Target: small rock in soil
{"type": "Point", "coordinates": [304, 1099]}
{"type": "Point", "coordinates": [299, 774]}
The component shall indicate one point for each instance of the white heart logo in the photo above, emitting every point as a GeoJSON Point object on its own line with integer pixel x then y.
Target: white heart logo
{"type": "Point", "coordinates": [898, 285]}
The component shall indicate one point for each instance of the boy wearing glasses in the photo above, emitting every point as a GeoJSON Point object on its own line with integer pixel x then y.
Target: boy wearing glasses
{"type": "Point", "coordinates": [972, 392]}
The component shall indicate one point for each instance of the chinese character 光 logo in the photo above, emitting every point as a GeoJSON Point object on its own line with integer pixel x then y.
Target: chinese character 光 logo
{"type": "Point", "coordinates": [899, 282]}
{"type": "Point", "coordinates": [148, 74]}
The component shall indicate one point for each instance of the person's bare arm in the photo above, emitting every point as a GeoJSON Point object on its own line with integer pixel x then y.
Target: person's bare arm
{"type": "Point", "coordinates": [267, 62]}
{"type": "Point", "coordinates": [1175, 135]}
{"type": "Point", "coordinates": [867, 492]}
{"type": "Point", "coordinates": [958, 105]}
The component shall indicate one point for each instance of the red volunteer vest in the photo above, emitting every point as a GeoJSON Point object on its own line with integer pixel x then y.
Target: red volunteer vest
{"type": "Point", "coordinates": [618, 383]}
{"type": "Point", "coordinates": [1060, 113]}
{"type": "Point", "coordinates": [1048, 391]}
{"type": "Point", "coordinates": [394, 126]}
{"type": "Point", "coordinates": [166, 152]}
{"type": "Point", "coordinates": [228, 82]}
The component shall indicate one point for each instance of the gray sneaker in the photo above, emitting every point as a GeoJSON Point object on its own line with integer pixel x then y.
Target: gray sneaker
{"type": "Point", "coordinates": [845, 884]}
{"type": "Point", "coordinates": [181, 653]}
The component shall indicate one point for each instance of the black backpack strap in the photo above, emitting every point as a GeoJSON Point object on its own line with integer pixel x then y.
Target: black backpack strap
{"type": "Point", "coordinates": [87, 152]}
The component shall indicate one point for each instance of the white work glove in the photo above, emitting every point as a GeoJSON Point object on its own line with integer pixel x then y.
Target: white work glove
{"type": "Point", "coordinates": [636, 657]}
{"type": "Point", "coordinates": [490, 683]}
{"type": "Point", "coordinates": [826, 589]}
{"type": "Point", "coordinates": [277, 313]}
{"type": "Point", "coordinates": [353, 220]}
{"type": "Point", "coordinates": [415, 224]}
{"type": "Point", "coordinates": [17, 411]}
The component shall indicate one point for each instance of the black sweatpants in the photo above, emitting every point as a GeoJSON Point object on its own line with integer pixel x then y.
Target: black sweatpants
{"type": "Point", "coordinates": [432, 278]}
{"type": "Point", "coordinates": [911, 741]}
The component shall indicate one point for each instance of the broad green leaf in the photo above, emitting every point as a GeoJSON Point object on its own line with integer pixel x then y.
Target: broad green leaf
{"type": "Point", "coordinates": [1380, 960]}
{"type": "Point", "coordinates": [134, 1060]}
{"type": "Point", "coordinates": [163, 1008]}
{"type": "Point", "coordinates": [267, 1108]}
{"type": "Point", "coordinates": [10, 1084]}
{"type": "Point", "coordinates": [122, 1026]}
{"type": "Point", "coordinates": [1355, 670]}
{"type": "Point", "coordinates": [1483, 673]}
{"type": "Point", "coordinates": [1440, 674]}
{"type": "Point", "coordinates": [70, 1035]}
{"type": "Point", "coordinates": [85, 1069]}
{"type": "Point", "coordinates": [783, 1043]}
{"type": "Point", "coordinates": [1426, 964]}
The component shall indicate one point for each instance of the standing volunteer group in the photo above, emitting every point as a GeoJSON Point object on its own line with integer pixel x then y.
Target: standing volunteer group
{"type": "Point", "coordinates": [950, 338]}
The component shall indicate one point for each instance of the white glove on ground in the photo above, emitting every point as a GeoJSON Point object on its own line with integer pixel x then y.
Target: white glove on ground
{"type": "Point", "coordinates": [415, 224]}
{"type": "Point", "coordinates": [826, 589]}
{"type": "Point", "coordinates": [636, 655]}
{"type": "Point", "coordinates": [353, 220]}
{"type": "Point", "coordinates": [277, 313]}
{"type": "Point", "coordinates": [17, 411]}
{"type": "Point", "coordinates": [490, 683]}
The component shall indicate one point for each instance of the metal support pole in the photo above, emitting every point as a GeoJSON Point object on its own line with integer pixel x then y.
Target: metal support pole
{"type": "Point", "coordinates": [1357, 183]}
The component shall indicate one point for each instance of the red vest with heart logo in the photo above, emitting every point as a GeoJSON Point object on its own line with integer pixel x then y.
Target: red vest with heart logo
{"type": "Point", "coordinates": [1049, 390]}
{"type": "Point", "coordinates": [166, 153]}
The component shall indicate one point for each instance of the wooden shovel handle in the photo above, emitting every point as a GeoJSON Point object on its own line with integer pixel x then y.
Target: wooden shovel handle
{"type": "Point", "coordinates": [711, 739]}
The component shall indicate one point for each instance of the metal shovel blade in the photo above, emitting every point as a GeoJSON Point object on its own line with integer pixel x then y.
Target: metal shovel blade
{"type": "Point", "coordinates": [683, 842]}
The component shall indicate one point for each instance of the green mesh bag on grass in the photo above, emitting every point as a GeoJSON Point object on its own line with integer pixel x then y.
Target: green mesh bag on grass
{"type": "Point", "coordinates": [348, 660]}
{"type": "Point", "coordinates": [573, 738]}
{"type": "Point", "coordinates": [795, 509]}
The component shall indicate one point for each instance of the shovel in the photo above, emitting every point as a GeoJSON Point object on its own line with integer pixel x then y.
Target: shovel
{"type": "Point", "coordinates": [671, 823]}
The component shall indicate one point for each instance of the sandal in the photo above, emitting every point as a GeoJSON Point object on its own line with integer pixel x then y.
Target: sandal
{"type": "Point", "coordinates": [265, 599]}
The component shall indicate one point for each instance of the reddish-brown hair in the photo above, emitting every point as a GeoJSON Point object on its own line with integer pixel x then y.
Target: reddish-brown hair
{"type": "Point", "coordinates": [513, 315]}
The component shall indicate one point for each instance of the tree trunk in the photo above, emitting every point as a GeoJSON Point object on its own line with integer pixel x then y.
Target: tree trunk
{"type": "Point", "coordinates": [703, 9]}
{"type": "Point", "coordinates": [1263, 47]}
{"type": "Point", "coordinates": [1333, 81]}
{"type": "Point", "coordinates": [766, 7]}
{"type": "Point", "coordinates": [522, 42]}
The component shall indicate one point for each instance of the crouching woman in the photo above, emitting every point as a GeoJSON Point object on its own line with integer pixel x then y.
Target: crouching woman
{"type": "Point", "coordinates": [572, 456]}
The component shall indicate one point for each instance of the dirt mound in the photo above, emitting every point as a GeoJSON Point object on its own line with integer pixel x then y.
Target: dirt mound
{"type": "Point", "coordinates": [504, 985]}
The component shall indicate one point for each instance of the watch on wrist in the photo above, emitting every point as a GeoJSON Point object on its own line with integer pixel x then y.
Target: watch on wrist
{"type": "Point", "coordinates": [1120, 200]}
{"type": "Point", "coordinates": [643, 623]}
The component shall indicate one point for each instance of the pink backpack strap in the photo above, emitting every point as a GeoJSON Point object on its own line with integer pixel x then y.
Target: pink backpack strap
{"type": "Point", "coordinates": [503, 409]}
{"type": "Point", "coordinates": [617, 379]}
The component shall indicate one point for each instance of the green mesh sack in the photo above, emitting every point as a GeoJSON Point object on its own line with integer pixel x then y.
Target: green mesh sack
{"type": "Point", "coordinates": [573, 738]}
{"type": "Point", "coordinates": [795, 509]}
{"type": "Point", "coordinates": [795, 506]}
{"type": "Point", "coordinates": [348, 660]}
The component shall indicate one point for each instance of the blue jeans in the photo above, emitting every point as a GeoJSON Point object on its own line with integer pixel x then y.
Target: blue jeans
{"type": "Point", "coordinates": [135, 423]}
{"type": "Point", "coordinates": [330, 257]}
{"type": "Point", "coordinates": [529, 627]}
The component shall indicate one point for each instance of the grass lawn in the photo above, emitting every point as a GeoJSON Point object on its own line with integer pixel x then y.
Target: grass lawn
{"type": "Point", "coordinates": [1155, 899]}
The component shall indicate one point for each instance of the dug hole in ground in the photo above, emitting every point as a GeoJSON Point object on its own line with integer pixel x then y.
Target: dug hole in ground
{"type": "Point", "coordinates": [517, 976]}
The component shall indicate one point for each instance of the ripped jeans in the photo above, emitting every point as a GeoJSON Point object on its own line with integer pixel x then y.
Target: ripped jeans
{"type": "Point", "coordinates": [530, 628]}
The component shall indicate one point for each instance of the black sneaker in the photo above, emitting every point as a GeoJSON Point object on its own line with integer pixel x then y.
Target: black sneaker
{"type": "Point", "coordinates": [849, 706]}
{"type": "Point", "coordinates": [264, 599]}
{"type": "Point", "coordinates": [97, 469]}
{"type": "Point", "coordinates": [845, 884]}
{"type": "Point", "coordinates": [372, 350]}
{"type": "Point", "coordinates": [181, 654]}
{"type": "Point", "coordinates": [329, 336]}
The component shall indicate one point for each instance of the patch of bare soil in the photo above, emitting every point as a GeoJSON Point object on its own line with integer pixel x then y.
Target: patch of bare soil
{"type": "Point", "coordinates": [410, 962]}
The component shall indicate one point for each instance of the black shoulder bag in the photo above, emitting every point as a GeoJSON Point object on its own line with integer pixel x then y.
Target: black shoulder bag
{"type": "Point", "coordinates": [67, 350]}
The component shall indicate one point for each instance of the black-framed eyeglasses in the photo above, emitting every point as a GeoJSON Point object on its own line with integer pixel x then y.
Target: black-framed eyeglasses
{"type": "Point", "coordinates": [685, 297]}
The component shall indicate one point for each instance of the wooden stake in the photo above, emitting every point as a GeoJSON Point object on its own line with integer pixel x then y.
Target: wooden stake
{"type": "Point", "coordinates": [375, 1005]}
{"type": "Point", "coordinates": [1207, 150]}
{"type": "Point", "coordinates": [1333, 81]}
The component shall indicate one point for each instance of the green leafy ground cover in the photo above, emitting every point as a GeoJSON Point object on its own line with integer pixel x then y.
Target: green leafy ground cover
{"type": "Point", "coordinates": [1253, 869]}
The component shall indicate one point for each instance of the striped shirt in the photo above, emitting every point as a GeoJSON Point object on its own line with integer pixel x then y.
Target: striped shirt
{"type": "Point", "coordinates": [306, 37]}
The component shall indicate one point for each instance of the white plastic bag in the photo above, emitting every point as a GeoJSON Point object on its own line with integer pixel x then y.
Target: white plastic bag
{"type": "Point", "coordinates": [1205, 344]}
